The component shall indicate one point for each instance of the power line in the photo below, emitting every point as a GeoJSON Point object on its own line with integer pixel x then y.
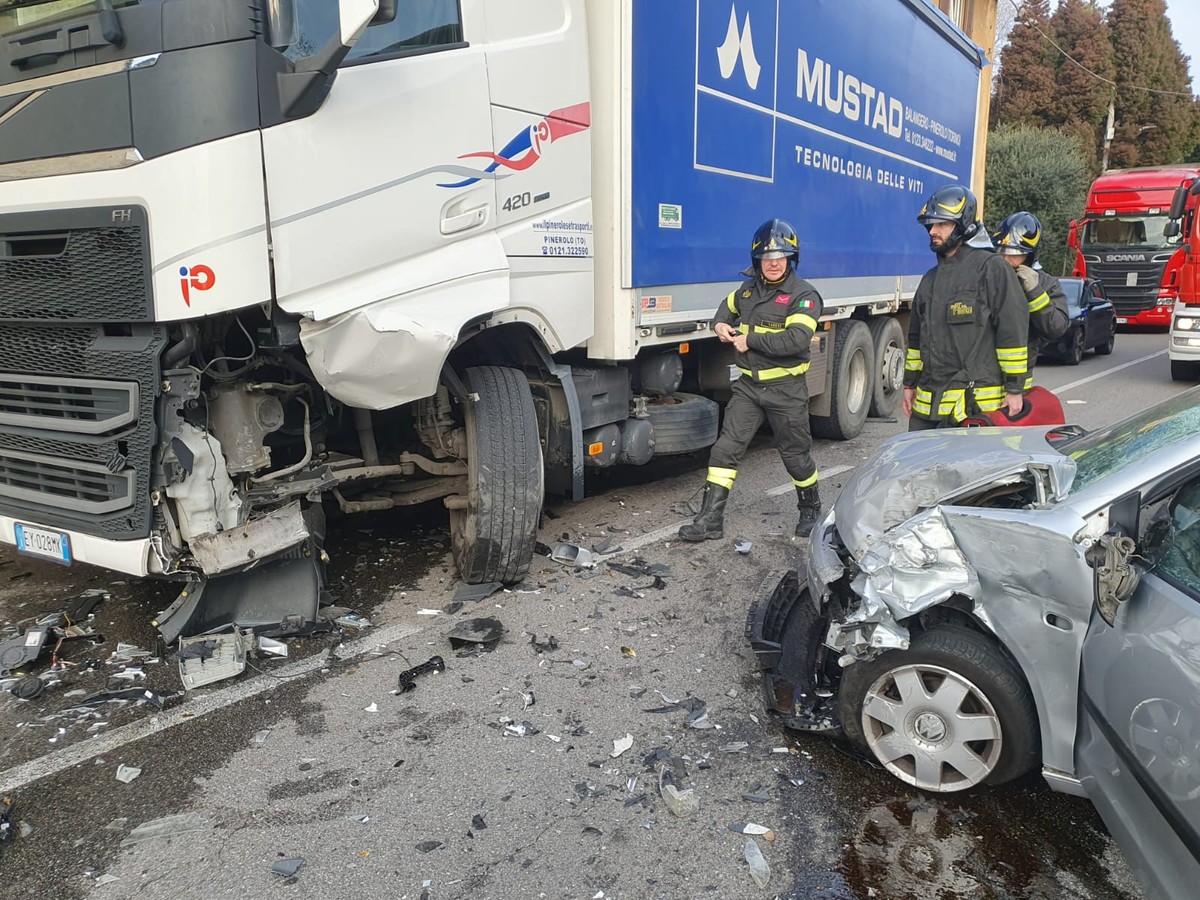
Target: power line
{"type": "Point", "coordinates": [1098, 77]}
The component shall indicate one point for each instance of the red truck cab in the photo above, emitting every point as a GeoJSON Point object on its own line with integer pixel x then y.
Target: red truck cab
{"type": "Point", "coordinates": [1120, 240]}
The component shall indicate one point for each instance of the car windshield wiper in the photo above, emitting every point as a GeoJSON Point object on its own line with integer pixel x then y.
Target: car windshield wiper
{"type": "Point", "coordinates": [50, 48]}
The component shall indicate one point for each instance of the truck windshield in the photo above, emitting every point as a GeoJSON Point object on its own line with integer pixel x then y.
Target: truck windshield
{"type": "Point", "coordinates": [1135, 231]}
{"type": "Point", "coordinates": [21, 15]}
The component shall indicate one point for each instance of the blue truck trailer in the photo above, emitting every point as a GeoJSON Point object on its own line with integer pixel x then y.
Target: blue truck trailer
{"type": "Point", "coordinates": [370, 254]}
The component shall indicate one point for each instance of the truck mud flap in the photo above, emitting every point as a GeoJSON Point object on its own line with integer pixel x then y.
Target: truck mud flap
{"type": "Point", "coordinates": [285, 589]}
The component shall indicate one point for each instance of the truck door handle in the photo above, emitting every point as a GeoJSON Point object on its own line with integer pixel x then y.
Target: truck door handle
{"type": "Point", "coordinates": [468, 218]}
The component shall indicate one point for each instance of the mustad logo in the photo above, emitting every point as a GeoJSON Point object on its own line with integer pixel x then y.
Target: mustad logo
{"type": "Point", "coordinates": [1125, 257]}
{"type": "Point", "coordinates": [840, 92]}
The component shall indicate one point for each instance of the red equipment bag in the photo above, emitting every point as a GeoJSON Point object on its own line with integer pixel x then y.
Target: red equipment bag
{"type": "Point", "coordinates": [1041, 407]}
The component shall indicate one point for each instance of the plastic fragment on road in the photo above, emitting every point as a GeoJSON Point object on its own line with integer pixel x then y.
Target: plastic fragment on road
{"type": "Point", "coordinates": [260, 737]}
{"type": "Point", "coordinates": [126, 774]}
{"type": "Point", "coordinates": [734, 747]}
{"type": "Point", "coordinates": [681, 803]}
{"type": "Point", "coordinates": [272, 647]}
{"type": "Point", "coordinates": [629, 652]}
{"type": "Point", "coordinates": [759, 870]}
{"type": "Point", "coordinates": [407, 678]}
{"type": "Point", "coordinates": [573, 555]}
{"type": "Point", "coordinates": [743, 547]}
{"type": "Point", "coordinates": [484, 631]}
{"type": "Point", "coordinates": [429, 612]}
{"type": "Point", "coordinates": [167, 827]}
{"type": "Point", "coordinates": [286, 868]}
{"type": "Point", "coordinates": [620, 745]}
{"type": "Point", "coordinates": [428, 846]}
{"type": "Point", "coordinates": [474, 592]}
{"type": "Point", "coordinates": [374, 707]}
{"type": "Point", "coordinates": [755, 829]}
{"type": "Point", "coordinates": [106, 879]}
{"type": "Point", "coordinates": [206, 658]}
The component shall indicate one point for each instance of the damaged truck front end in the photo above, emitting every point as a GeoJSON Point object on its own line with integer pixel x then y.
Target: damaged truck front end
{"type": "Point", "coordinates": [932, 594]}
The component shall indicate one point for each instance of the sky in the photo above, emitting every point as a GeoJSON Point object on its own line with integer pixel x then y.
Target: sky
{"type": "Point", "coordinates": [1185, 26]}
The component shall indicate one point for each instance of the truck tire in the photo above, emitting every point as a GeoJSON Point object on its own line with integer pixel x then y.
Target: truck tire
{"type": "Point", "coordinates": [853, 376]}
{"type": "Point", "coordinates": [493, 537]}
{"type": "Point", "coordinates": [888, 340]}
{"type": "Point", "coordinates": [683, 423]}
{"type": "Point", "coordinates": [1182, 370]}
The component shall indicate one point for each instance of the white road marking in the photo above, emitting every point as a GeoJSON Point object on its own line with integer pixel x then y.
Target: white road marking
{"type": "Point", "coordinates": [193, 709]}
{"type": "Point", "coordinates": [1113, 371]}
{"type": "Point", "coordinates": [825, 473]}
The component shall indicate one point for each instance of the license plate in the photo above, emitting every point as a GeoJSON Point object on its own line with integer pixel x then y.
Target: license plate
{"type": "Point", "coordinates": [52, 545]}
{"type": "Point", "coordinates": [1121, 321]}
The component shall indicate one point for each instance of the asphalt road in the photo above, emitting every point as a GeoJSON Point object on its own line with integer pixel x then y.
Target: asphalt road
{"type": "Point", "coordinates": [430, 794]}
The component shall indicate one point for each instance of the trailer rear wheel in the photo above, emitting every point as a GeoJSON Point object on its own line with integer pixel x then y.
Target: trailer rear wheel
{"type": "Point", "coordinates": [888, 341]}
{"type": "Point", "coordinates": [853, 378]}
{"type": "Point", "coordinates": [493, 536]}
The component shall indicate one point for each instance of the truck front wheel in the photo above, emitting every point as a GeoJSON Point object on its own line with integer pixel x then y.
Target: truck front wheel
{"type": "Point", "coordinates": [888, 340]}
{"type": "Point", "coordinates": [493, 533]}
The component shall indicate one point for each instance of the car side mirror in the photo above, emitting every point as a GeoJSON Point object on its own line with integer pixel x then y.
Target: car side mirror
{"type": "Point", "coordinates": [1157, 540]}
{"type": "Point", "coordinates": [1114, 576]}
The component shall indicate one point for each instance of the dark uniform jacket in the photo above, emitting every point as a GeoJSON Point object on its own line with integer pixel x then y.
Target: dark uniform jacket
{"type": "Point", "coordinates": [778, 321]}
{"type": "Point", "coordinates": [968, 338]}
{"type": "Point", "coordinates": [1048, 317]}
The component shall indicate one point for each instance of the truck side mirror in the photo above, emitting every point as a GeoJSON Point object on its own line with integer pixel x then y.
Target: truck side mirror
{"type": "Point", "coordinates": [303, 89]}
{"type": "Point", "coordinates": [1171, 229]}
{"type": "Point", "coordinates": [1178, 201]}
{"type": "Point", "coordinates": [1195, 189]}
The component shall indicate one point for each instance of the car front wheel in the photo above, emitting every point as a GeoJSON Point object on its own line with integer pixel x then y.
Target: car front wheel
{"type": "Point", "coordinates": [949, 713]}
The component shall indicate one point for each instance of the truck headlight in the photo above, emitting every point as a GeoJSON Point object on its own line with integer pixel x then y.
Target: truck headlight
{"type": "Point", "coordinates": [1186, 324]}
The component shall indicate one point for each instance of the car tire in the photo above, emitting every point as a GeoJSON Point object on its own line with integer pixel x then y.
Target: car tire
{"type": "Point", "coordinates": [887, 339]}
{"type": "Point", "coordinates": [1182, 370]}
{"type": "Point", "coordinates": [1074, 354]}
{"type": "Point", "coordinates": [853, 378]}
{"type": "Point", "coordinates": [1107, 347]}
{"type": "Point", "coordinates": [493, 536]}
{"type": "Point", "coordinates": [683, 423]}
{"type": "Point", "coordinates": [950, 679]}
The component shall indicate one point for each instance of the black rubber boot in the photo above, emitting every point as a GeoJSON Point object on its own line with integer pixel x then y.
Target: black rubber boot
{"type": "Point", "coordinates": [709, 524]}
{"type": "Point", "coordinates": [808, 501]}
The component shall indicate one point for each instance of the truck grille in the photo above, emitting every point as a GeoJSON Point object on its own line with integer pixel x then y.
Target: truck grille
{"type": "Point", "coordinates": [1127, 299]}
{"type": "Point", "coordinates": [77, 429]}
{"type": "Point", "coordinates": [81, 487]}
{"type": "Point", "coordinates": [75, 265]}
{"type": "Point", "coordinates": [83, 405]}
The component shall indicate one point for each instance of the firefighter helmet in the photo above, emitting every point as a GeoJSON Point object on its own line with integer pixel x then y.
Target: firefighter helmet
{"type": "Point", "coordinates": [775, 239]}
{"type": "Point", "coordinates": [1019, 235]}
{"type": "Point", "coordinates": [952, 203]}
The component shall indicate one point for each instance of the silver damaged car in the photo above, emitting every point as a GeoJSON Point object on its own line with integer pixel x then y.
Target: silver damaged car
{"type": "Point", "coordinates": [981, 602]}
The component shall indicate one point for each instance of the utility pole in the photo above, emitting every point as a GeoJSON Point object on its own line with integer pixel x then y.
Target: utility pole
{"type": "Point", "coordinates": [1108, 133]}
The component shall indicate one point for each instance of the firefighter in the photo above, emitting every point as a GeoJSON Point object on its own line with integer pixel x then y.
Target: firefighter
{"type": "Point", "coordinates": [968, 339]}
{"type": "Point", "coordinates": [1016, 240]}
{"type": "Point", "coordinates": [770, 321]}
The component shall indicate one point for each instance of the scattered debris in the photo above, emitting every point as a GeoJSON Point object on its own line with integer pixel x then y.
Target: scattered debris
{"type": "Point", "coordinates": [548, 646]}
{"type": "Point", "coordinates": [27, 688]}
{"type": "Point", "coordinates": [6, 805]}
{"type": "Point", "coordinates": [525, 729]}
{"type": "Point", "coordinates": [750, 828]}
{"type": "Point", "coordinates": [106, 879]}
{"type": "Point", "coordinates": [757, 797]}
{"type": "Point", "coordinates": [478, 823]}
{"type": "Point", "coordinates": [573, 555]}
{"type": "Point", "coordinates": [408, 676]}
{"type": "Point", "coordinates": [428, 846]}
{"type": "Point", "coordinates": [466, 593]}
{"type": "Point", "coordinates": [287, 867]}
{"type": "Point", "coordinates": [629, 652]}
{"type": "Point", "coordinates": [261, 737]}
{"type": "Point", "coordinates": [743, 547]}
{"type": "Point", "coordinates": [623, 591]}
{"type": "Point", "coordinates": [485, 633]}
{"type": "Point", "coordinates": [734, 747]}
{"type": "Point", "coordinates": [206, 658]}
{"type": "Point", "coordinates": [429, 612]}
{"type": "Point", "coordinates": [621, 745]}
{"type": "Point", "coordinates": [636, 691]}
{"type": "Point", "coordinates": [759, 870]}
{"type": "Point", "coordinates": [272, 647]}
{"type": "Point", "coordinates": [126, 774]}
{"type": "Point", "coordinates": [373, 708]}
{"type": "Point", "coordinates": [167, 827]}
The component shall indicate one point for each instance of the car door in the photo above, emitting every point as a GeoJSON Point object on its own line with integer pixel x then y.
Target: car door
{"type": "Point", "coordinates": [1101, 315]}
{"type": "Point", "coordinates": [1138, 748]}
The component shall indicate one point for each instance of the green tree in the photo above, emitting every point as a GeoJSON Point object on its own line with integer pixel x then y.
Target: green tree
{"type": "Point", "coordinates": [1023, 92]}
{"type": "Point", "coordinates": [1080, 104]}
{"type": "Point", "coordinates": [1151, 128]}
{"type": "Point", "coordinates": [1043, 171]}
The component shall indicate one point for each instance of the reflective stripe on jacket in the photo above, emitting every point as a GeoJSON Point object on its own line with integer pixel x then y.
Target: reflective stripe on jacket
{"type": "Point", "coordinates": [778, 321]}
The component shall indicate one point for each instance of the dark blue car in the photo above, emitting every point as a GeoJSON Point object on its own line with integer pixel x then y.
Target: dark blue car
{"type": "Point", "coordinates": [1093, 322]}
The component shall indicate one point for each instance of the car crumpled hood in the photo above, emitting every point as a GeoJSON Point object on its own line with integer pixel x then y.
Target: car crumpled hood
{"type": "Point", "coordinates": [913, 472]}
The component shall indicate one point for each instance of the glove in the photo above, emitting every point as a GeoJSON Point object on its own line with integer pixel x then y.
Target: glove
{"type": "Point", "coordinates": [1028, 279]}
